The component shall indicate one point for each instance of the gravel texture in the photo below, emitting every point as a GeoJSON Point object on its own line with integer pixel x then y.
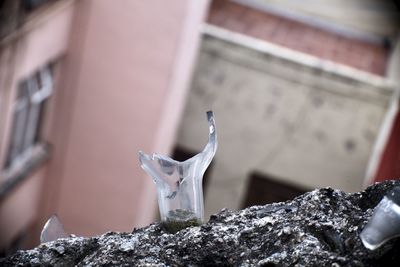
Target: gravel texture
{"type": "Point", "coordinates": [319, 228]}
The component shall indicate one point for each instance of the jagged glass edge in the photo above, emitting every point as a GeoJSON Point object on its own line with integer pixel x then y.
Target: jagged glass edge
{"type": "Point", "coordinates": [53, 221]}
{"type": "Point", "coordinates": [210, 147]}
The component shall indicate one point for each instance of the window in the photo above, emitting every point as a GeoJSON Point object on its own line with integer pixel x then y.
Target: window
{"type": "Point", "coordinates": [28, 115]}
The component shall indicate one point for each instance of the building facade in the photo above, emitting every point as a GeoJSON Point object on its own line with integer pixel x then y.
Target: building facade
{"type": "Point", "coordinates": [85, 85]}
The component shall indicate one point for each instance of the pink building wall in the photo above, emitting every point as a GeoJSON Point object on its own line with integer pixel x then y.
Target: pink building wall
{"type": "Point", "coordinates": [123, 86]}
{"type": "Point", "coordinates": [122, 75]}
{"type": "Point", "coordinates": [41, 40]}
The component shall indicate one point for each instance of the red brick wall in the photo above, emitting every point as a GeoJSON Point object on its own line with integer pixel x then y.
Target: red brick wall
{"type": "Point", "coordinates": [390, 164]}
{"type": "Point", "coordinates": [298, 36]}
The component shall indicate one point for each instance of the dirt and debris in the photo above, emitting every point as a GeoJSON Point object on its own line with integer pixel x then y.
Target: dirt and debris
{"type": "Point", "coordinates": [180, 219]}
{"type": "Point", "coordinates": [319, 228]}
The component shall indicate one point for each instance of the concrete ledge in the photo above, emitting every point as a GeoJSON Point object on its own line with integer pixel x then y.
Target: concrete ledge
{"type": "Point", "coordinates": [299, 58]}
{"type": "Point", "coordinates": [11, 178]}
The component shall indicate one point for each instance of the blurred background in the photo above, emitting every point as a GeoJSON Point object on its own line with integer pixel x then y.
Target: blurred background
{"type": "Point", "coordinates": [305, 95]}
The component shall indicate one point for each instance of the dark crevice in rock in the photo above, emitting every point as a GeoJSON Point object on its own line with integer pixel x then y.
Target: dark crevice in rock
{"type": "Point", "coordinates": [329, 238]}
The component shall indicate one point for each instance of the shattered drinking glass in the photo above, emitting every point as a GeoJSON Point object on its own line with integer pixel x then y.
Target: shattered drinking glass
{"type": "Point", "coordinates": [385, 221]}
{"type": "Point", "coordinates": [179, 184]}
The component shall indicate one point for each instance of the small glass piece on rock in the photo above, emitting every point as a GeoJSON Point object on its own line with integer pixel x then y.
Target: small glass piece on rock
{"type": "Point", "coordinates": [52, 230]}
{"type": "Point", "coordinates": [385, 221]}
{"type": "Point", "coordinates": [179, 184]}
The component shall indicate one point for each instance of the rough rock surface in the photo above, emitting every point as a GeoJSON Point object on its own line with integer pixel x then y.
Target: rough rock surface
{"type": "Point", "coordinates": [319, 228]}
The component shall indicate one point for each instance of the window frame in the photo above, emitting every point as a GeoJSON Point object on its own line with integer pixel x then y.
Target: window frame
{"type": "Point", "coordinates": [27, 117]}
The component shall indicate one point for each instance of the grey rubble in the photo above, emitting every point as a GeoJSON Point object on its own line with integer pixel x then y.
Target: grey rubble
{"type": "Point", "coordinates": [319, 228]}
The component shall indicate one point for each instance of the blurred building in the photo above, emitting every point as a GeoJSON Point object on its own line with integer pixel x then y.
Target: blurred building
{"type": "Point", "coordinates": [84, 86]}
{"type": "Point", "coordinates": [305, 95]}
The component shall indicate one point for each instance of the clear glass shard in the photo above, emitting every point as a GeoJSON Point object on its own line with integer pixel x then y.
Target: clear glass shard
{"type": "Point", "coordinates": [384, 223]}
{"type": "Point", "coordinates": [179, 184]}
{"type": "Point", "coordinates": [52, 230]}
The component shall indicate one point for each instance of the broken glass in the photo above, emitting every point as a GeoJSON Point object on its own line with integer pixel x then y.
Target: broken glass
{"type": "Point", "coordinates": [385, 221]}
{"type": "Point", "coordinates": [52, 230]}
{"type": "Point", "coordinates": [179, 184]}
